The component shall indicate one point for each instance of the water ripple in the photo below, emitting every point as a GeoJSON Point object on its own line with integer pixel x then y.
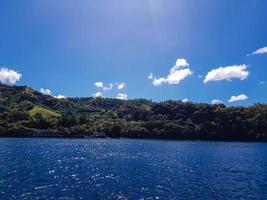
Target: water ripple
{"type": "Point", "coordinates": [131, 169]}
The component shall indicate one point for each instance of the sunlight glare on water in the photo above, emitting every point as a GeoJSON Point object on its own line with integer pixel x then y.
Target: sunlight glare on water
{"type": "Point", "coordinates": [131, 169]}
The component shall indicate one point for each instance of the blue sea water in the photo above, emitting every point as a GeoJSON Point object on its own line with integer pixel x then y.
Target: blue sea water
{"type": "Point", "coordinates": [131, 169]}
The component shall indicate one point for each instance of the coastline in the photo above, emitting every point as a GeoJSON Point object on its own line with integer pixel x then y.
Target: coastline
{"type": "Point", "coordinates": [135, 138]}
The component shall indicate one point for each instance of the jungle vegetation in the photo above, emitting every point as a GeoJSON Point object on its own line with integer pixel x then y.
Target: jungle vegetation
{"type": "Point", "coordinates": [24, 110]}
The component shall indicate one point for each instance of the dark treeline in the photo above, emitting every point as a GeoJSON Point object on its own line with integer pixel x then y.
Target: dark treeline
{"type": "Point", "coordinates": [23, 112]}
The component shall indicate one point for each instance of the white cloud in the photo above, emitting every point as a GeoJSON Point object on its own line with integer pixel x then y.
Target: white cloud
{"type": "Point", "coordinates": [185, 100]}
{"type": "Point", "coordinates": [181, 62]}
{"type": "Point", "coordinates": [98, 94]}
{"type": "Point", "coordinates": [109, 87]}
{"type": "Point", "coordinates": [240, 97]}
{"type": "Point", "coordinates": [156, 81]}
{"type": "Point", "coordinates": [150, 76]}
{"type": "Point", "coordinates": [177, 73]}
{"type": "Point", "coordinates": [60, 96]}
{"type": "Point", "coordinates": [48, 92]}
{"type": "Point", "coordinates": [216, 101]}
{"type": "Point", "coordinates": [122, 96]}
{"type": "Point", "coordinates": [45, 91]}
{"type": "Point", "coordinates": [121, 86]}
{"type": "Point", "coordinates": [99, 84]}
{"type": "Point", "coordinates": [260, 51]}
{"type": "Point", "coordinates": [262, 82]}
{"type": "Point", "coordinates": [227, 73]}
{"type": "Point", "coordinates": [9, 76]}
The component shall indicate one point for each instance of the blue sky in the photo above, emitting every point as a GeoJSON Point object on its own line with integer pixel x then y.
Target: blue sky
{"type": "Point", "coordinates": [66, 46]}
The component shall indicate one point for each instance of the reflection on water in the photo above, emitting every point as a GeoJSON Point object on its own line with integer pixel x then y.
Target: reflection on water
{"type": "Point", "coordinates": [131, 169]}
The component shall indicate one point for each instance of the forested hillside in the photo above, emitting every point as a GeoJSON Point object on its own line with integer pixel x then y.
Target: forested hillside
{"type": "Point", "coordinates": [24, 110]}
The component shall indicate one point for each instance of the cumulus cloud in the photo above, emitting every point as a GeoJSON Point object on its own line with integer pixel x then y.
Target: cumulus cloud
{"type": "Point", "coordinates": [122, 96]}
{"type": "Point", "coordinates": [60, 96]}
{"type": "Point", "coordinates": [177, 73]}
{"type": "Point", "coordinates": [110, 86]}
{"type": "Point", "coordinates": [260, 51]}
{"type": "Point", "coordinates": [99, 84]}
{"type": "Point", "coordinates": [240, 97]}
{"type": "Point", "coordinates": [216, 101]}
{"type": "Point", "coordinates": [45, 91]}
{"type": "Point", "coordinates": [98, 94]}
{"type": "Point", "coordinates": [185, 100]}
{"type": "Point", "coordinates": [48, 92]}
{"type": "Point", "coordinates": [9, 76]}
{"type": "Point", "coordinates": [181, 62]}
{"type": "Point", "coordinates": [156, 81]}
{"type": "Point", "coordinates": [227, 73]}
{"type": "Point", "coordinates": [121, 86]}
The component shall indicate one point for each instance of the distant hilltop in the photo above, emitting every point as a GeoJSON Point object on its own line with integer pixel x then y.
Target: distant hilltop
{"type": "Point", "coordinates": [25, 112]}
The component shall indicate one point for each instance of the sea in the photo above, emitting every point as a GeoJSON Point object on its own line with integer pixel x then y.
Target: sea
{"type": "Point", "coordinates": [66, 169]}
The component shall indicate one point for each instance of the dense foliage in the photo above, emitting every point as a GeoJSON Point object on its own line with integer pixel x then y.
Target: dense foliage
{"type": "Point", "coordinates": [23, 112]}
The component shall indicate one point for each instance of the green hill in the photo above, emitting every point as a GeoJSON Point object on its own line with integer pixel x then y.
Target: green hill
{"type": "Point", "coordinates": [43, 111]}
{"type": "Point", "coordinates": [23, 109]}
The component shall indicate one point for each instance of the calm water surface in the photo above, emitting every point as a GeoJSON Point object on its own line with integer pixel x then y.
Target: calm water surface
{"type": "Point", "coordinates": [131, 169]}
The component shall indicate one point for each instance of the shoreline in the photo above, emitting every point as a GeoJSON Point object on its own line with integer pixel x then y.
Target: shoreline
{"type": "Point", "coordinates": [135, 138]}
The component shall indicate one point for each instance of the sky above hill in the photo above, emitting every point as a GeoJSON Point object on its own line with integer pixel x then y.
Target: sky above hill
{"type": "Point", "coordinates": [192, 50]}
